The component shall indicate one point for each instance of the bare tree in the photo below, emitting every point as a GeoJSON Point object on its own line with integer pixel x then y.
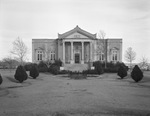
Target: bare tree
{"type": "Point", "coordinates": [144, 63]}
{"type": "Point", "coordinates": [9, 62]}
{"type": "Point", "coordinates": [20, 50]}
{"type": "Point", "coordinates": [130, 56]}
{"type": "Point", "coordinates": [101, 45]}
{"type": "Point", "coordinates": [46, 53]}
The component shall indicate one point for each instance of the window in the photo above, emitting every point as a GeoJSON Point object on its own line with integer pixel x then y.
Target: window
{"type": "Point", "coordinates": [39, 55]}
{"type": "Point", "coordinates": [114, 55]}
{"type": "Point", "coordinates": [101, 56]}
{"type": "Point", "coordinates": [52, 54]}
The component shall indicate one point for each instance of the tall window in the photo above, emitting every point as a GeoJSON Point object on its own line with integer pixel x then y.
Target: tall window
{"type": "Point", "coordinates": [52, 55]}
{"type": "Point", "coordinates": [39, 55]}
{"type": "Point", "coordinates": [114, 55]}
{"type": "Point", "coordinates": [101, 56]}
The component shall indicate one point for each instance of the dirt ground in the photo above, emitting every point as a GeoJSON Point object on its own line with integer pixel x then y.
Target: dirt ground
{"type": "Point", "coordinates": [49, 95]}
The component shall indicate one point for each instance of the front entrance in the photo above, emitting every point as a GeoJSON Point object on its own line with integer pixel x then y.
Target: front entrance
{"type": "Point", "coordinates": [77, 58]}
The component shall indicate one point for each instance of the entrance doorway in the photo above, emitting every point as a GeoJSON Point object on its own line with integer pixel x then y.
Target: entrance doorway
{"type": "Point", "coordinates": [77, 58]}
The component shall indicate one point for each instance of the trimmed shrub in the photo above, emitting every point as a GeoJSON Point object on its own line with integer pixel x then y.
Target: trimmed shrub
{"type": "Point", "coordinates": [122, 72]}
{"type": "Point", "coordinates": [28, 66]}
{"type": "Point", "coordinates": [63, 72]}
{"type": "Point", "coordinates": [1, 80]}
{"type": "Point", "coordinates": [34, 71]}
{"type": "Point", "coordinates": [20, 74]}
{"type": "Point", "coordinates": [136, 74]}
{"type": "Point", "coordinates": [42, 67]}
{"type": "Point", "coordinates": [98, 67]}
{"type": "Point", "coordinates": [78, 75]}
{"type": "Point", "coordinates": [91, 71]}
{"type": "Point", "coordinates": [54, 69]}
{"type": "Point", "coordinates": [58, 63]}
{"type": "Point", "coordinates": [111, 67]}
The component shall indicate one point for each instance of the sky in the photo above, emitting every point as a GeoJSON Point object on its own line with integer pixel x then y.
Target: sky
{"type": "Point", "coordinates": [28, 19]}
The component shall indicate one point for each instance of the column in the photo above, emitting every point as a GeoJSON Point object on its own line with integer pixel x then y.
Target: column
{"type": "Point", "coordinates": [82, 60]}
{"type": "Point", "coordinates": [72, 61]}
{"type": "Point", "coordinates": [46, 52]}
{"type": "Point", "coordinates": [63, 52]}
{"type": "Point", "coordinates": [91, 57]}
{"type": "Point", "coordinates": [90, 51]}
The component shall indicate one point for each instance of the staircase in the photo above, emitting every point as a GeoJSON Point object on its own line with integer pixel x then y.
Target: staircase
{"type": "Point", "coordinates": [76, 67]}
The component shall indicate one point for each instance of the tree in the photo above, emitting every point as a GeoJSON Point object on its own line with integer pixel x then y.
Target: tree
{"type": "Point", "coordinates": [34, 71]}
{"type": "Point", "coordinates": [122, 72]}
{"type": "Point", "coordinates": [130, 56]}
{"type": "Point", "coordinates": [10, 62]}
{"type": "Point", "coordinates": [20, 50]}
{"type": "Point", "coordinates": [20, 74]}
{"type": "Point", "coordinates": [101, 45]}
{"type": "Point", "coordinates": [144, 63]}
{"type": "Point", "coordinates": [136, 74]}
{"type": "Point", "coordinates": [47, 53]}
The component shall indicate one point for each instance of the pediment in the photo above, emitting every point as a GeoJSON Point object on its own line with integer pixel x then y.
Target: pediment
{"type": "Point", "coordinates": [77, 33]}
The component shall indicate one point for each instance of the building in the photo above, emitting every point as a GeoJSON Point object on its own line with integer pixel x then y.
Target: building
{"type": "Point", "coordinates": [77, 46]}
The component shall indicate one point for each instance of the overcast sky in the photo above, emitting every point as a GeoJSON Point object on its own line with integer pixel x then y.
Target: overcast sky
{"type": "Point", "coordinates": [126, 19]}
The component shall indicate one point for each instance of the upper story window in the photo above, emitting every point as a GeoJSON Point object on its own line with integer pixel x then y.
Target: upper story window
{"type": "Point", "coordinates": [39, 55]}
{"type": "Point", "coordinates": [114, 55]}
{"type": "Point", "coordinates": [52, 54]}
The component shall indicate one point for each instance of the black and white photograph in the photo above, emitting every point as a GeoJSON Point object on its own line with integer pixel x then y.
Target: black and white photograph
{"type": "Point", "coordinates": [74, 58]}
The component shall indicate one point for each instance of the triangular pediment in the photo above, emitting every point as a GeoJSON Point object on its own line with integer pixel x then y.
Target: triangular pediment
{"type": "Point", "coordinates": [77, 33]}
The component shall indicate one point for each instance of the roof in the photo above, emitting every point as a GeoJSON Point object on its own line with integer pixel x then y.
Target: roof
{"type": "Point", "coordinates": [79, 30]}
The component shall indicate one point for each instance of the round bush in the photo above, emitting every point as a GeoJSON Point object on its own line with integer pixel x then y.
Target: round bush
{"type": "Point", "coordinates": [42, 67]}
{"type": "Point", "coordinates": [34, 71]}
{"type": "Point", "coordinates": [136, 74]}
{"type": "Point", "coordinates": [54, 69]}
{"type": "Point", "coordinates": [122, 72]}
{"type": "Point", "coordinates": [20, 74]}
{"type": "Point", "coordinates": [1, 80]}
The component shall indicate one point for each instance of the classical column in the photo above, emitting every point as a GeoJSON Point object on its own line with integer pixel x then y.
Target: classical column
{"type": "Point", "coordinates": [72, 61]}
{"type": "Point", "coordinates": [90, 51]}
{"type": "Point", "coordinates": [82, 61]}
{"type": "Point", "coordinates": [63, 52]}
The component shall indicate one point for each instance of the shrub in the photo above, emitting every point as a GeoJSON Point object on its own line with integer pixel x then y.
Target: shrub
{"type": "Point", "coordinates": [91, 71]}
{"type": "Point", "coordinates": [20, 74]}
{"type": "Point", "coordinates": [28, 66]}
{"type": "Point", "coordinates": [34, 71]}
{"type": "Point", "coordinates": [1, 80]}
{"type": "Point", "coordinates": [58, 63]}
{"type": "Point", "coordinates": [111, 70]}
{"type": "Point", "coordinates": [63, 72]}
{"type": "Point", "coordinates": [42, 67]}
{"type": "Point", "coordinates": [98, 67]}
{"type": "Point", "coordinates": [54, 69]}
{"type": "Point", "coordinates": [136, 74]}
{"type": "Point", "coordinates": [122, 72]}
{"type": "Point", "coordinates": [77, 75]}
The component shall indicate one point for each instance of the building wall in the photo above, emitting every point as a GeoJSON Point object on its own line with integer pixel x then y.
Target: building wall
{"type": "Point", "coordinates": [114, 44]}
{"type": "Point", "coordinates": [44, 45]}
{"type": "Point", "coordinates": [56, 45]}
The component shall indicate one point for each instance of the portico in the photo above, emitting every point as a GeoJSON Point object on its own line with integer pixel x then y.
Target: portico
{"type": "Point", "coordinates": [79, 51]}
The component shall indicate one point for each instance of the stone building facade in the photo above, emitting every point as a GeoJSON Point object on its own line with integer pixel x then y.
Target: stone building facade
{"type": "Point", "coordinates": [77, 46]}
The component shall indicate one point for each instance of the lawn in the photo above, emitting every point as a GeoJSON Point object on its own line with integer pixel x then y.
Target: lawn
{"type": "Point", "coordinates": [51, 95]}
